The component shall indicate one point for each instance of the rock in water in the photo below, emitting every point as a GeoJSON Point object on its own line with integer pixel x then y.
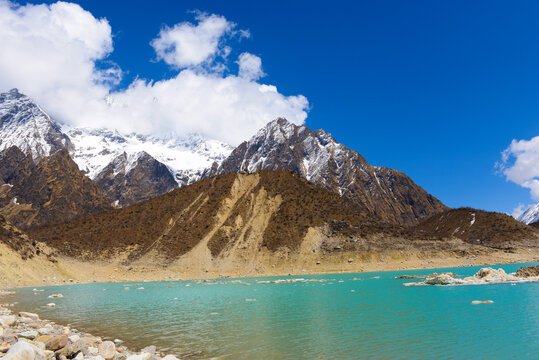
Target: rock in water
{"type": "Point", "coordinates": [107, 350]}
{"type": "Point", "coordinates": [23, 350]}
{"type": "Point", "coordinates": [56, 342]}
{"type": "Point", "coordinates": [29, 315]}
{"type": "Point", "coordinates": [528, 271]}
{"type": "Point", "coordinates": [170, 357]}
{"type": "Point", "coordinates": [149, 349]}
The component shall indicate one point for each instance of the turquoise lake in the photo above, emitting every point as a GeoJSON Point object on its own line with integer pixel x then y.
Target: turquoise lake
{"type": "Point", "coordinates": [348, 316]}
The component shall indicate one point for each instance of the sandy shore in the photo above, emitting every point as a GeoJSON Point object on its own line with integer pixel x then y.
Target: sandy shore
{"type": "Point", "coordinates": [36, 273]}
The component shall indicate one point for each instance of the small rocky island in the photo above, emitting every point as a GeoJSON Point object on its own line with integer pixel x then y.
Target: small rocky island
{"type": "Point", "coordinates": [484, 276]}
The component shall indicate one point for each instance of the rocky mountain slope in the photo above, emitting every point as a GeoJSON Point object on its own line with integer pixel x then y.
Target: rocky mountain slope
{"type": "Point", "coordinates": [479, 227]}
{"type": "Point", "coordinates": [386, 193]}
{"type": "Point", "coordinates": [531, 215]}
{"type": "Point", "coordinates": [147, 165]}
{"type": "Point", "coordinates": [17, 240]}
{"type": "Point", "coordinates": [49, 192]}
{"type": "Point", "coordinates": [269, 221]}
{"type": "Point", "coordinates": [25, 125]}
{"type": "Point", "coordinates": [274, 209]}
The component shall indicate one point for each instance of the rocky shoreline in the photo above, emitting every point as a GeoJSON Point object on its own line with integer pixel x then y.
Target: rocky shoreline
{"type": "Point", "coordinates": [24, 336]}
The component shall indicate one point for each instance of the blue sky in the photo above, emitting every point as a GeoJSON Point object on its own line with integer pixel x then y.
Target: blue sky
{"type": "Point", "coordinates": [435, 89]}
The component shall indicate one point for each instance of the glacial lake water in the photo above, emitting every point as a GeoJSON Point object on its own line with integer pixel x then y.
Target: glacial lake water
{"type": "Point", "coordinates": [348, 316]}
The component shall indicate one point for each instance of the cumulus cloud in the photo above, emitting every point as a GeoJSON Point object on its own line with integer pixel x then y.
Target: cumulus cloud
{"type": "Point", "coordinates": [520, 164]}
{"type": "Point", "coordinates": [250, 66]}
{"type": "Point", "coordinates": [50, 53]}
{"type": "Point", "coordinates": [186, 45]}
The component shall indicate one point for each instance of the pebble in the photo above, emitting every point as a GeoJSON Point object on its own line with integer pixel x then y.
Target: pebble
{"type": "Point", "coordinates": [56, 342]}
{"type": "Point", "coordinates": [42, 338]}
{"type": "Point", "coordinates": [24, 351]}
{"type": "Point", "coordinates": [107, 350]}
{"type": "Point", "coordinates": [73, 338]}
{"type": "Point", "coordinates": [26, 337]}
{"type": "Point", "coordinates": [44, 331]}
{"type": "Point", "coordinates": [7, 320]}
{"type": "Point", "coordinates": [29, 334]}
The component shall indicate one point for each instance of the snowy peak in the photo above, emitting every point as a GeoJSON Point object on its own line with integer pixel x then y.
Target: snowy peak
{"type": "Point", "coordinates": [185, 156]}
{"type": "Point", "coordinates": [25, 125]}
{"type": "Point", "coordinates": [318, 157]}
{"type": "Point", "coordinates": [101, 154]}
{"type": "Point", "coordinates": [531, 215]}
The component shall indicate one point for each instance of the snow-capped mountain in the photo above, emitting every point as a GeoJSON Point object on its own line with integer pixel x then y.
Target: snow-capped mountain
{"type": "Point", "coordinates": [316, 156]}
{"type": "Point", "coordinates": [531, 215]}
{"type": "Point", "coordinates": [25, 125]}
{"type": "Point", "coordinates": [185, 156]}
{"type": "Point", "coordinates": [128, 167]}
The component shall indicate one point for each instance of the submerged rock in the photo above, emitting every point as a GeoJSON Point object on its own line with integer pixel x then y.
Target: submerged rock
{"type": "Point", "coordinates": [476, 302]}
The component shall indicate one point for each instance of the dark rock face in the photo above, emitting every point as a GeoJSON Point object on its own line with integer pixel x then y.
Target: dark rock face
{"type": "Point", "coordinates": [52, 191]}
{"type": "Point", "coordinates": [132, 181]}
{"type": "Point", "coordinates": [386, 193]}
{"type": "Point", "coordinates": [17, 240]}
{"type": "Point", "coordinates": [14, 165]}
{"type": "Point", "coordinates": [528, 271]}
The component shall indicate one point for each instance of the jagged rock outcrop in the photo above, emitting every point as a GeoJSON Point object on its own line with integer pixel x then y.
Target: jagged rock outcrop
{"type": "Point", "coordinates": [50, 192]}
{"type": "Point", "coordinates": [130, 180]}
{"type": "Point", "coordinates": [478, 227]}
{"type": "Point", "coordinates": [386, 193]}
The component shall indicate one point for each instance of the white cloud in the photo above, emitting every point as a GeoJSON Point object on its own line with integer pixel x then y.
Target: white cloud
{"type": "Point", "coordinates": [186, 45]}
{"type": "Point", "coordinates": [519, 210]}
{"type": "Point", "coordinates": [520, 164]}
{"type": "Point", "coordinates": [250, 66]}
{"type": "Point", "coordinates": [50, 52]}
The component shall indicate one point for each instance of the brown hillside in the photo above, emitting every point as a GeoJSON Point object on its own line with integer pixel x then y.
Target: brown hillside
{"type": "Point", "coordinates": [50, 192]}
{"type": "Point", "coordinates": [17, 240]}
{"type": "Point", "coordinates": [478, 227]}
{"type": "Point", "coordinates": [535, 224]}
{"type": "Point", "coordinates": [225, 211]}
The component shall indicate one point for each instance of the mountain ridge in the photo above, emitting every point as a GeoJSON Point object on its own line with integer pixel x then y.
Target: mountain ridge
{"type": "Point", "coordinates": [387, 193]}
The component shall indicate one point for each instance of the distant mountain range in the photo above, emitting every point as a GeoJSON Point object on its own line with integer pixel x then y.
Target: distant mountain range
{"type": "Point", "coordinates": [128, 167]}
